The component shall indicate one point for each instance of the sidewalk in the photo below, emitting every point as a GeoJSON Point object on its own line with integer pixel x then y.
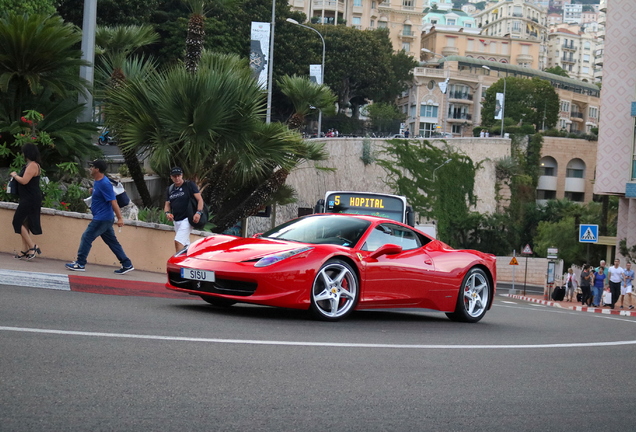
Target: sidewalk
{"type": "Point", "coordinates": [574, 305]}
{"type": "Point", "coordinates": [51, 274]}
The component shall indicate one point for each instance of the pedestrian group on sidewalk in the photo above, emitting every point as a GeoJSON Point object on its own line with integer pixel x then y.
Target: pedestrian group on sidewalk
{"type": "Point", "coordinates": [605, 287]}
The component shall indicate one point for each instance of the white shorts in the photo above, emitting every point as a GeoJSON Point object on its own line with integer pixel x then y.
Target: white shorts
{"type": "Point", "coordinates": [626, 290]}
{"type": "Point", "coordinates": [183, 230]}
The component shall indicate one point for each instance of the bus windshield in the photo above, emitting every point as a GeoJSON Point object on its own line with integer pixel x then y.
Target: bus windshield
{"type": "Point", "coordinates": [365, 203]}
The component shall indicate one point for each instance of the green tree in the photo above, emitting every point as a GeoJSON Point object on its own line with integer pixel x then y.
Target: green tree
{"type": "Point", "coordinates": [557, 70]}
{"type": "Point", "coordinates": [116, 44]}
{"type": "Point", "coordinates": [529, 101]}
{"type": "Point", "coordinates": [39, 70]}
{"type": "Point", "coordinates": [44, 7]}
{"type": "Point", "coordinates": [306, 96]}
{"type": "Point", "coordinates": [210, 122]}
{"type": "Point", "coordinates": [383, 116]}
{"type": "Point", "coordinates": [110, 12]}
{"type": "Point", "coordinates": [361, 66]}
{"type": "Point", "coordinates": [444, 193]}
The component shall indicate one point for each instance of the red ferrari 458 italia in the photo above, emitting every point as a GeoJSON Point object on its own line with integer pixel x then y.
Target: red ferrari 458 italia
{"type": "Point", "coordinates": [333, 264]}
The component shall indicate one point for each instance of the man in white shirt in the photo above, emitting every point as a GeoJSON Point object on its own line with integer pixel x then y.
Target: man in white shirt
{"type": "Point", "coordinates": [626, 289]}
{"type": "Point", "coordinates": [615, 278]}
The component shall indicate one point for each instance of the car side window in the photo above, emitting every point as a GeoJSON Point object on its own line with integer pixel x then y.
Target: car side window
{"type": "Point", "coordinates": [392, 234]}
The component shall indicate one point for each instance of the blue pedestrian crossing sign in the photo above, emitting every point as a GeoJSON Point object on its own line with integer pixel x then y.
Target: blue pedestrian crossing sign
{"type": "Point", "coordinates": [588, 233]}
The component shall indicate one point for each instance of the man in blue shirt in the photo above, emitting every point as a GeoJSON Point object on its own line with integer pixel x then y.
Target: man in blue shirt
{"type": "Point", "coordinates": [103, 204]}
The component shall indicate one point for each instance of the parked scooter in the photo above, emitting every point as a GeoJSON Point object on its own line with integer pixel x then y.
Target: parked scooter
{"type": "Point", "coordinates": [106, 139]}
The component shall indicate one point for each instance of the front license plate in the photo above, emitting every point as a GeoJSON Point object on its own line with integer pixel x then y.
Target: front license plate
{"type": "Point", "coordinates": [197, 275]}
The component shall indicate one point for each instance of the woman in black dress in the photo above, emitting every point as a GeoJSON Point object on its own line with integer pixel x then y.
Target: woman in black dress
{"type": "Point", "coordinates": [26, 220]}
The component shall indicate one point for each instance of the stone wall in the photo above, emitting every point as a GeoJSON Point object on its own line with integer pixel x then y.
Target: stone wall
{"type": "Point", "coordinates": [351, 174]}
{"type": "Point", "coordinates": [533, 271]}
{"type": "Point", "coordinates": [148, 245]}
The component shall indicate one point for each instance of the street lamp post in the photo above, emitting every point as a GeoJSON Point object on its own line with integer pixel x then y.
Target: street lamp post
{"type": "Point", "coordinates": [270, 66]}
{"type": "Point", "coordinates": [322, 67]}
{"type": "Point", "coordinates": [444, 105]}
{"type": "Point", "coordinates": [443, 163]}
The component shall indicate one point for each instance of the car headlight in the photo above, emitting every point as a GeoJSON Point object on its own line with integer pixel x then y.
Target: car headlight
{"type": "Point", "coordinates": [182, 251]}
{"type": "Point", "coordinates": [274, 258]}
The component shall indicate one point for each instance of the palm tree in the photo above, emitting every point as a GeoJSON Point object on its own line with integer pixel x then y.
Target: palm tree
{"type": "Point", "coordinates": [210, 122]}
{"type": "Point", "coordinates": [196, 31]}
{"type": "Point", "coordinates": [306, 96]}
{"type": "Point", "coordinates": [116, 44]}
{"type": "Point", "coordinates": [39, 61]}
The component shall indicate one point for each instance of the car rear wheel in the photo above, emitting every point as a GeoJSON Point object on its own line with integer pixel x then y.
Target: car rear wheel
{"type": "Point", "coordinates": [473, 298]}
{"type": "Point", "coordinates": [335, 291]}
{"type": "Point", "coordinates": [218, 302]}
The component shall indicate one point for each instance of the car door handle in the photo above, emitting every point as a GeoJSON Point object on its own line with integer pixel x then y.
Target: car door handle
{"type": "Point", "coordinates": [428, 262]}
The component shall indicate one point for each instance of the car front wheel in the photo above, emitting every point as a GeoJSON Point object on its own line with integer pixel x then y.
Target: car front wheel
{"type": "Point", "coordinates": [335, 291]}
{"type": "Point", "coordinates": [473, 298]}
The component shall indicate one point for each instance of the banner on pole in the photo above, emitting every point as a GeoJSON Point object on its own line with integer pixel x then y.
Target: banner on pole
{"type": "Point", "coordinates": [315, 73]}
{"type": "Point", "coordinates": [499, 103]}
{"type": "Point", "coordinates": [259, 52]}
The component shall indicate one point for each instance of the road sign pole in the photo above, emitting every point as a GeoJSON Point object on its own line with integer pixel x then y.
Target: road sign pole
{"type": "Point", "coordinates": [525, 277]}
{"type": "Point", "coordinates": [513, 291]}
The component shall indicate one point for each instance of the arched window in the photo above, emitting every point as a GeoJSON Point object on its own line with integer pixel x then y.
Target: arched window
{"type": "Point", "coordinates": [549, 166]}
{"type": "Point", "coordinates": [575, 169]}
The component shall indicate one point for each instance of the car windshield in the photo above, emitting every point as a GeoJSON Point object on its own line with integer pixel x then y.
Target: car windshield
{"type": "Point", "coordinates": [338, 230]}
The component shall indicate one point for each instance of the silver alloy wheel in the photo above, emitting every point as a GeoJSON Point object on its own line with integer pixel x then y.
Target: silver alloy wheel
{"type": "Point", "coordinates": [476, 293]}
{"type": "Point", "coordinates": [334, 291]}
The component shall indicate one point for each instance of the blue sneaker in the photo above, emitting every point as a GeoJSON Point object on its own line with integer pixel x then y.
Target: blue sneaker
{"type": "Point", "coordinates": [75, 266]}
{"type": "Point", "coordinates": [124, 270]}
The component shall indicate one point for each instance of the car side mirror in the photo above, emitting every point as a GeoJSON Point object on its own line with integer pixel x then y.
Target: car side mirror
{"type": "Point", "coordinates": [387, 249]}
{"type": "Point", "coordinates": [257, 235]}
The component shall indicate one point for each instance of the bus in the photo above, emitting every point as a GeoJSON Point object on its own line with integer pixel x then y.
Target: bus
{"type": "Point", "coordinates": [389, 206]}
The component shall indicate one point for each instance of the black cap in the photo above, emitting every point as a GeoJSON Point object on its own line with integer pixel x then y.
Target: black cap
{"type": "Point", "coordinates": [99, 164]}
{"type": "Point", "coordinates": [176, 171]}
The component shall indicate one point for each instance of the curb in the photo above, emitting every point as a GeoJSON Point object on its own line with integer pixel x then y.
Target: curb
{"type": "Point", "coordinates": [89, 284]}
{"type": "Point", "coordinates": [624, 312]}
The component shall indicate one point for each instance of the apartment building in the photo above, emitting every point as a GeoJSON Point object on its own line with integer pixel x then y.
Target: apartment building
{"type": "Point", "coordinates": [465, 79]}
{"type": "Point", "coordinates": [554, 19]}
{"type": "Point", "coordinates": [516, 19]}
{"type": "Point", "coordinates": [572, 13]}
{"type": "Point", "coordinates": [492, 48]}
{"type": "Point", "coordinates": [616, 158]}
{"type": "Point", "coordinates": [574, 51]}
{"type": "Point", "coordinates": [403, 18]}
{"type": "Point", "coordinates": [600, 42]}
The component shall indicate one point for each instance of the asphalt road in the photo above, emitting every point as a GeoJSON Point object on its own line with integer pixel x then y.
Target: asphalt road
{"type": "Point", "coordinates": [72, 361]}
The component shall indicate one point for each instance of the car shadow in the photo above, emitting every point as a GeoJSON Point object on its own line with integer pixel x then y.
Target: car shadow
{"type": "Point", "coordinates": [245, 310]}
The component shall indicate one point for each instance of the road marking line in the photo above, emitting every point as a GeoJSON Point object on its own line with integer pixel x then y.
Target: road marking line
{"type": "Point", "coordinates": [310, 344]}
{"type": "Point", "coordinates": [35, 280]}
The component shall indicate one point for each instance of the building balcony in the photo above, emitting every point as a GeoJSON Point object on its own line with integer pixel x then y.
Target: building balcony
{"type": "Point", "coordinates": [574, 184]}
{"type": "Point", "coordinates": [547, 183]}
{"type": "Point", "coordinates": [568, 60]}
{"type": "Point", "coordinates": [450, 51]}
{"type": "Point", "coordinates": [408, 35]}
{"type": "Point", "coordinates": [525, 58]}
{"type": "Point", "coordinates": [459, 118]}
{"type": "Point", "coordinates": [576, 115]}
{"type": "Point", "coordinates": [328, 5]}
{"type": "Point", "coordinates": [460, 96]}
{"type": "Point", "coordinates": [568, 47]}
